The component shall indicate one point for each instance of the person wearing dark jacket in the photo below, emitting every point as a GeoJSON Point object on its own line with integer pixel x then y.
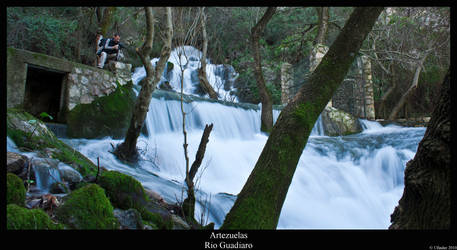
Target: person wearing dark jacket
{"type": "Point", "coordinates": [110, 50]}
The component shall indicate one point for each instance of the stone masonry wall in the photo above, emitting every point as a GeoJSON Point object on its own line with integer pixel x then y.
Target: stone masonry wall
{"type": "Point", "coordinates": [82, 83]}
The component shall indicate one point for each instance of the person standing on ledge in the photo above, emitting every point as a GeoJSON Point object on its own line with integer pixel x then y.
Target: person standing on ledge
{"type": "Point", "coordinates": [109, 49]}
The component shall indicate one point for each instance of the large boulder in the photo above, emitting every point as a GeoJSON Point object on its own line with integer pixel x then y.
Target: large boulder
{"type": "Point", "coordinates": [106, 116]}
{"type": "Point", "coordinates": [87, 208]}
{"type": "Point", "coordinates": [337, 122]}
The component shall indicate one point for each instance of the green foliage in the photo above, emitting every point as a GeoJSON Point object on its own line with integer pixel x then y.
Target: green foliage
{"type": "Point", "coordinates": [46, 115]}
{"type": "Point", "coordinates": [87, 208]}
{"type": "Point", "coordinates": [40, 29]}
{"type": "Point", "coordinates": [275, 92]}
{"type": "Point", "coordinates": [15, 190]}
{"type": "Point", "coordinates": [19, 218]}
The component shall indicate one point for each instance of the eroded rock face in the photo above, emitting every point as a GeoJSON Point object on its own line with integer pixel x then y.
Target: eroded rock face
{"type": "Point", "coordinates": [337, 122]}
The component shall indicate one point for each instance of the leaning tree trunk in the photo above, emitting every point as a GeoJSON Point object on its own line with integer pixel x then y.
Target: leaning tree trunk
{"type": "Point", "coordinates": [259, 203]}
{"type": "Point", "coordinates": [413, 86]}
{"type": "Point", "coordinates": [265, 97]}
{"type": "Point", "coordinates": [204, 83]}
{"type": "Point", "coordinates": [384, 97]}
{"type": "Point", "coordinates": [127, 150]}
{"type": "Point", "coordinates": [426, 200]}
{"type": "Point", "coordinates": [189, 203]}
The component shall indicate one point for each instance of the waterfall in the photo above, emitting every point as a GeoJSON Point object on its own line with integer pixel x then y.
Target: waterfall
{"type": "Point", "coordinates": [350, 181]}
{"type": "Point", "coordinates": [341, 182]}
{"type": "Point", "coordinates": [187, 58]}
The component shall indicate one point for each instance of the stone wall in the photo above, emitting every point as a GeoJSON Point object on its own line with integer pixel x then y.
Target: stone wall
{"type": "Point", "coordinates": [287, 82]}
{"type": "Point", "coordinates": [355, 96]}
{"type": "Point", "coordinates": [86, 84]}
{"type": "Point", "coordinates": [81, 83]}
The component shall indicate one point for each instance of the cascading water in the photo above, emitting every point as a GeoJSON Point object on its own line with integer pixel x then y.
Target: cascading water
{"type": "Point", "coordinates": [340, 182]}
{"type": "Point", "coordinates": [185, 60]}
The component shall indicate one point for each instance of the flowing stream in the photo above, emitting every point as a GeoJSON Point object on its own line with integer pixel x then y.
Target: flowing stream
{"type": "Point", "coordinates": [343, 182]}
{"type": "Point", "coordinates": [340, 182]}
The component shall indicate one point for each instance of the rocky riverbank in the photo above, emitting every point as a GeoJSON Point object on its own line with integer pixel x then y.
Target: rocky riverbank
{"type": "Point", "coordinates": [52, 186]}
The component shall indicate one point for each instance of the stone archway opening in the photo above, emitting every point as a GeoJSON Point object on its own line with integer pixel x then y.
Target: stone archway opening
{"type": "Point", "coordinates": [44, 92]}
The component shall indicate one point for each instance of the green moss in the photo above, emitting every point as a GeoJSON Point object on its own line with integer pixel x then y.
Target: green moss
{"type": "Point", "coordinates": [157, 222]}
{"type": "Point", "coordinates": [19, 137]}
{"type": "Point", "coordinates": [19, 218]}
{"type": "Point", "coordinates": [87, 208]}
{"type": "Point", "coordinates": [151, 224]}
{"type": "Point", "coordinates": [105, 116]}
{"type": "Point", "coordinates": [170, 66]}
{"type": "Point", "coordinates": [15, 190]}
{"type": "Point", "coordinates": [124, 191]}
{"type": "Point", "coordinates": [305, 114]}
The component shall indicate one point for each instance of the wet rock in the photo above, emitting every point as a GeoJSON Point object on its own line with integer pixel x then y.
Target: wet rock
{"type": "Point", "coordinates": [69, 175]}
{"type": "Point", "coordinates": [17, 164]}
{"type": "Point", "coordinates": [179, 223]}
{"type": "Point", "coordinates": [128, 219]}
{"type": "Point", "coordinates": [59, 188]}
{"type": "Point", "coordinates": [337, 122]}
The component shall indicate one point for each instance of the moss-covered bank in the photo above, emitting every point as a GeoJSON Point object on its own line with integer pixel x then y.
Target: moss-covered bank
{"type": "Point", "coordinates": [34, 136]}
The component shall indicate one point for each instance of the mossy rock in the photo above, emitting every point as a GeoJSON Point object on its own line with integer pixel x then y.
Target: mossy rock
{"type": "Point", "coordinates": [106, 116]}
{"type": "Point", "coordinates": [337, 122]}
{"type": "Point", "coordinates": [126, 192]}
{"type": "Point", "coordinates": [87, 208]}
{"type": "Point", "coordinates": [20, 131]}
{"type": "Point", "coordinates": [19, 218]}
{"type": "Point", "coordinates": [15, 190]}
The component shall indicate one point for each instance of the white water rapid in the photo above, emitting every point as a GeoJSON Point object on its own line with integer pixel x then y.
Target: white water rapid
{"type": "Point", "coordinates": [344, 182]}
{"type": "Point", "coordinates": [340, 182]}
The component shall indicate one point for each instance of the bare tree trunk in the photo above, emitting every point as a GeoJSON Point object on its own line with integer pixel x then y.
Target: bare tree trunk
{"type": "Point", "coordinates": [323, 13]}
{"type": "Point", "coordinates": [413, 86]}
{"type": "Point", "coordinates": [265, 96]}
{"type": "Point", "coordinates": [259, 203]}
{"type": "Point", "coordinates": [426, 199]}
{"type": "Point", "coordinates": [387, 94]}
{"type": "Point", "coordinates": [206, 86]}
{"type": "Point", "coordinates": [127, 150]}
{"type": "Point", "coordinates": [189, 202]}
